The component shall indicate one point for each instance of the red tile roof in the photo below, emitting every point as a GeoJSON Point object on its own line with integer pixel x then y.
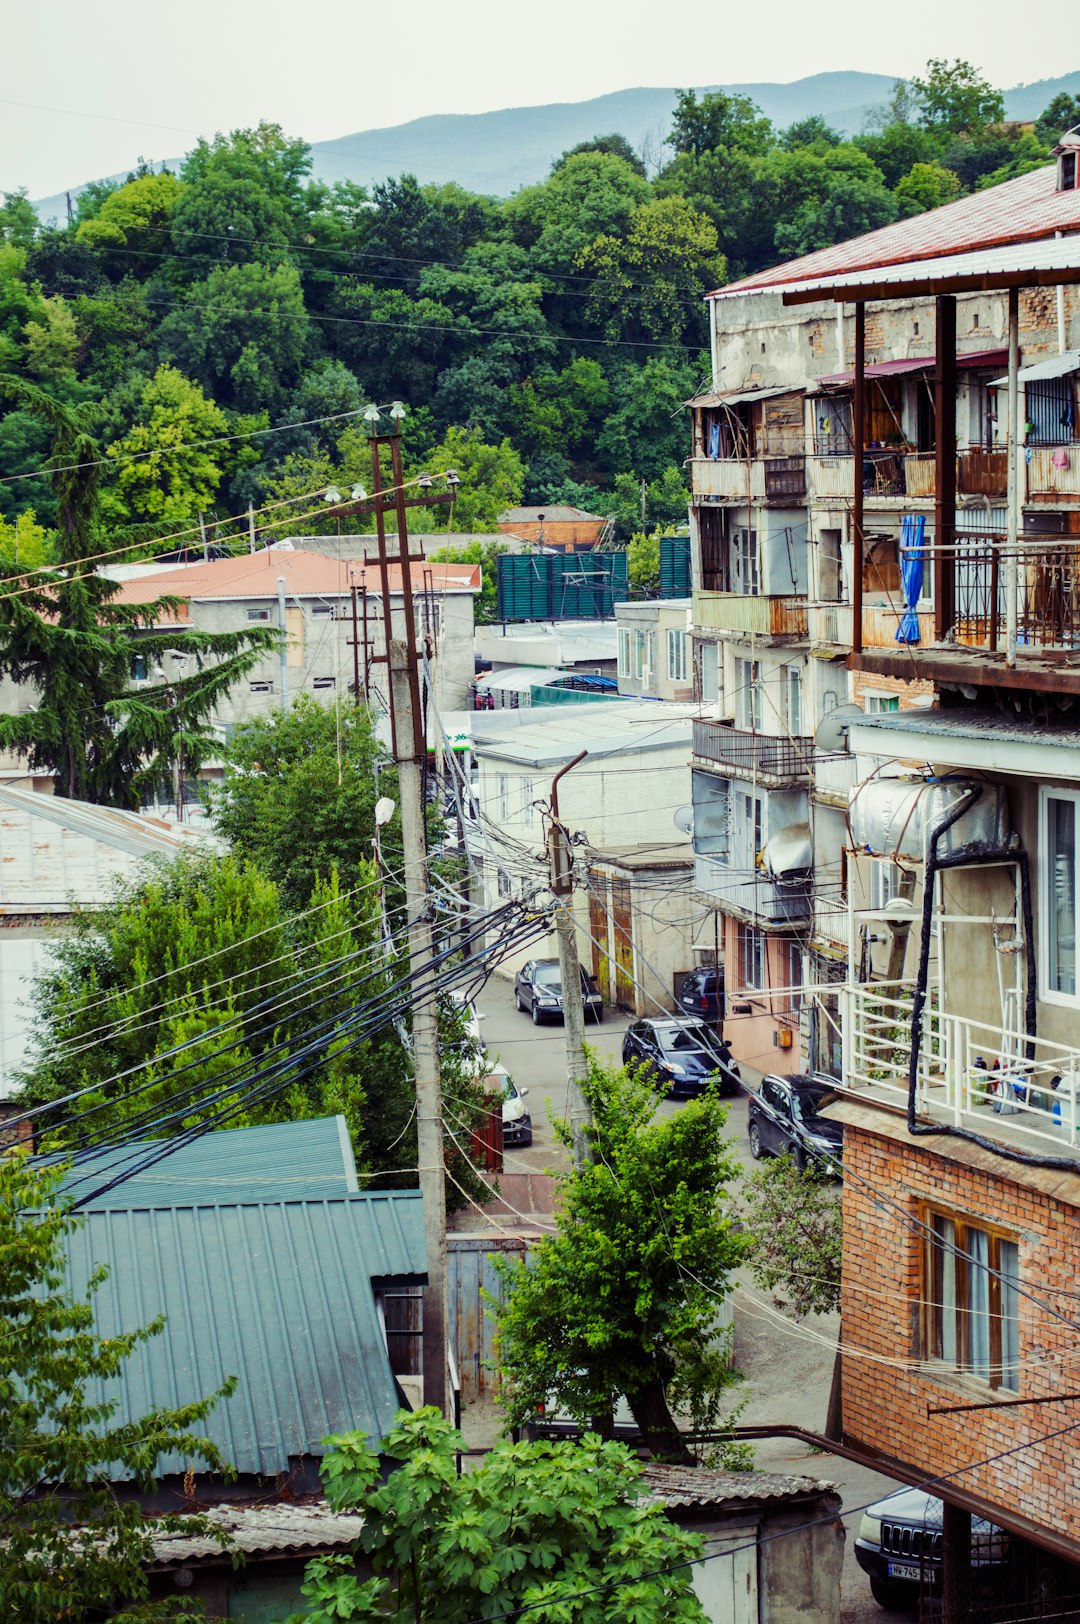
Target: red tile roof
{"type": "Point", "coordinates": [307, 575]}
{"type": "Point", "coordinates": [1018, 210]}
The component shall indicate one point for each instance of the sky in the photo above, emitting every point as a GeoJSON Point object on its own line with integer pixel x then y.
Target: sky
{"type": "Point", "coordinates": [91, 85]}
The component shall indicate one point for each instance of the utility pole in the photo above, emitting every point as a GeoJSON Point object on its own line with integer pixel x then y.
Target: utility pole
{"type": "Point", "coordinates": [573, 1001]}
{"type": "Point", "coordinates": [425, 1030]}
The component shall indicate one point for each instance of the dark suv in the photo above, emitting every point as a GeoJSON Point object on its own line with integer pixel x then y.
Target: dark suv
{"type": "Point", "coordinates": [783, 1117]}
{"type": "Point", "coordinates": [899, 1547]}
{"type": "Point", "coordinates": [538, 989]}
{"type": "Point", "coordinates": [702, 994]}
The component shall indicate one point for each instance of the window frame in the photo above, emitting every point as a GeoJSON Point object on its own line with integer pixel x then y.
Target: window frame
{"type": "Point", "coordinates": [1050, 994]}
{"type": "Point", "coordinates": [932, 1319]}
{"type": "Point", "coordinates": [258, 615]}
{"type": "Point", "coordinates": [624, 651]}
{"type": "Point", "coordinates": [676, 654]}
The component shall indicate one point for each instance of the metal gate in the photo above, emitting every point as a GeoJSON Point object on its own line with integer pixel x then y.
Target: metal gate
{"type": "Point", "coordinates": [625, 991]}
{"type": "Point", "coordinates": [598, 930]}
{"type": "Point", "coordinates": [471, 1272]}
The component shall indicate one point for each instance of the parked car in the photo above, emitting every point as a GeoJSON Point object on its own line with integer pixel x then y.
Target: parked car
{"type": "Point", "coordinates": [684, 1053]}
{"type": "Point", "coordinates": [783, 1117]}
{"type": "Point", "coordinates": [550, 1421]}
{"type": "Point", "coordinates": [538, 989]}
{"type": "Point", "coordinates": [702, 993]}
{"type": "Point", "coordinates": [899, 1546]}
{"type": "Point", "coordinates": [517, 1123]}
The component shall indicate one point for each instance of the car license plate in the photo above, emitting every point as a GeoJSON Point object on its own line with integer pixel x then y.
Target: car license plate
{"type": "Point", "coordinates": [905, 1570]}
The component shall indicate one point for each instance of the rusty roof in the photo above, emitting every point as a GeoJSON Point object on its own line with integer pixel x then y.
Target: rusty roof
{"type": "Point", "coordinates": [306, 575]}
{"type": "Point", "coordinates": [1019, 210]}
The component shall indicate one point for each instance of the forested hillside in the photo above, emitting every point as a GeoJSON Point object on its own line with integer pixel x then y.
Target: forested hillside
{"type": "Point", "coordinates": [213, 328]}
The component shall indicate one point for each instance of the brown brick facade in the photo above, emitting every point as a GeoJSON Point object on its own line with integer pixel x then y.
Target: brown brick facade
{"type": "Point", "coordinates": [885, 1406]}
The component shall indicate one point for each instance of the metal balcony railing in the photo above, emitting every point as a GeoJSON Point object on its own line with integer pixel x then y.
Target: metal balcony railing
{"type": "Point", "coordinates": [767, 757]}
{"type": "Point", "coordinates": [747, 613]}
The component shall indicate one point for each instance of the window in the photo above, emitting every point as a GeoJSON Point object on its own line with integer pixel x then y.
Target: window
{"type": "Point", "coordinates": [749, 826]}
{"type": "Point", "coordinates": [528, 811]}
{"type": "Point", "coordinates": [140, 668]}
{"type": "Point", "coordinates": [794, 976]}
{"type": "Point", "coordinates": [746, 562]}
{"type": "Point", "coordinates": [624, 651]}
{"type": "Point", "coordinates": [879, 704]}
{"type": "Point", "coordinates": [502, 787]}
{"type": "Point", "coordinates": [1057, 909]}
{"type": "Point", "coordinates": [1068, 172]}
{"type": "Point", "coordinates": [324, 682]}
{"type": "Point", "coordinates": [884, 883]}
{"type": "Point", "coordinates": [970, 1289]}
{"type": "Point", "coordinates": [751, 958]}
{"type": "Point", "coordinates": [748, 695]}
{"type": "Point", "coordinates": [710, 672]}
{"type": "Point", "coordinates": [261, 687]}
{"type": "Point", "coordinates": [644, 660]}
{"type": "Point", "coordinates": [505, 884]}
{"type": "Point", "coordinates": [322, 611]}
{"type": "Point", "coordinates": [676, 656]}
{"type": "Point", "coordinates": [794, 701]}
{"type": "Point", "coordinates": [258, 614]}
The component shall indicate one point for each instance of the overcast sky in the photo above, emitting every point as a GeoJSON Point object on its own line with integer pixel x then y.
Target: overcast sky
{"type": "Point", "coordinates": [112, 79]}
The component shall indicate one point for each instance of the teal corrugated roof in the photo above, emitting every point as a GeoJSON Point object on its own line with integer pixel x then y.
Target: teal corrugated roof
{"type": "Point", "coordinates": [278, 1294]}
{"type": "Point", "coordinates": [311, 1158]}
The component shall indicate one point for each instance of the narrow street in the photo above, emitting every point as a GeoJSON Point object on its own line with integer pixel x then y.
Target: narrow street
{"type": "Point", "coordinates": [787, 1368]}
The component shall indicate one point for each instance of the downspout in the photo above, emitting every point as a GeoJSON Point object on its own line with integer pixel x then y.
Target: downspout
{"type": "Point", "coordinates": [1012, 481]}
{"type": "Point", "coordinates": [934, 866]}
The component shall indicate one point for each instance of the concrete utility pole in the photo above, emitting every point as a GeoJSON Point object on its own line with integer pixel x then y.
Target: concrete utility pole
{"type": "Point", "coordinates": [570, 975]}
{"type": "Point", "coordinates": [425, 1029]}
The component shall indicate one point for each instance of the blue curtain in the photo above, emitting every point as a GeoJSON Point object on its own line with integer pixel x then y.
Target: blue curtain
{"type": "Point", "coordinates": [714, 441]}
{"type": "Point", "coordinates": [912, 529]}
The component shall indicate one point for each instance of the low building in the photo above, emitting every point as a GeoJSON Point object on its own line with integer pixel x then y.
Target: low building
{"type": "Point", "coordinates": [578, 646]}
{"type": "Point", "coordinates": [655, 653]}
{"type": "Point", "coordinates": [560, 527]}
{"type": "Point", "coordinates": [647, 925]}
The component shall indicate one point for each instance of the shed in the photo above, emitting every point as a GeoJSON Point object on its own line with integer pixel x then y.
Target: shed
{"type": "Point", "coordinates": [644, 917]}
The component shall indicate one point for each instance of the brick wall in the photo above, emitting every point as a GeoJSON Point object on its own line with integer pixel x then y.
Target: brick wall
{"type": "Point", "coordinates": [910, 692]}
{"type": "Point", "coordinates": [885, 1407]}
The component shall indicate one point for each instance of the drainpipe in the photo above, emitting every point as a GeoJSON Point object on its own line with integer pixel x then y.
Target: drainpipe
{"type": "Point", "coordinates": [714, 349]}
{"type": "Point", "coordinates": [1012, 528]}
{"type": "Point", "coordinates": [283, 652]}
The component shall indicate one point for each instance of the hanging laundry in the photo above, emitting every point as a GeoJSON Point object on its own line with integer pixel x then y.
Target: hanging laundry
{"type": "Point", "coordinates": [912, 558]}
{"type": "Point", "coordinates": [1060, 458]}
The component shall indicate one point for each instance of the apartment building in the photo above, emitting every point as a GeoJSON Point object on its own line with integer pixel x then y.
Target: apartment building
{"type": "Point", "coordinates": [793, 619]}
{"type": "Point", "coordinates": [941, 559]}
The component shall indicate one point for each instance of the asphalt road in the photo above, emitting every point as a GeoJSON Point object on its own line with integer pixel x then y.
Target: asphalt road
{"type": "Point", "coordinates": [787, 1372]}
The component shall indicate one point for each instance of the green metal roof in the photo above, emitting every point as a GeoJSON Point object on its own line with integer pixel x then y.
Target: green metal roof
{"type": "Point", "coordinates": [279, 1294]}
{"type": "Point", "coordinates": [311, 1158]}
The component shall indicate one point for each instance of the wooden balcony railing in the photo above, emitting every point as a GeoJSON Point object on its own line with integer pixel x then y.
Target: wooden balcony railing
{"type": "Point", "coordinates": [768, 757]}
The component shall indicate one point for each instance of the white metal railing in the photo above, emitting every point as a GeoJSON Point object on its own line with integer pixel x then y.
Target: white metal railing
{"type": "Point", "coordinates": [831, 920]}
{"type": "Point", "coordinates": [973, 1074]}
{"type": "Point", "coordinates": [836, 775]}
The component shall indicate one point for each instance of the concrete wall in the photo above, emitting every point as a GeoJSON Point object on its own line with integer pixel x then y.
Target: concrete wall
{"type": "Point", "coordinates": [666, 920]}
{"type": "Point", "coordinates": [660, 616]}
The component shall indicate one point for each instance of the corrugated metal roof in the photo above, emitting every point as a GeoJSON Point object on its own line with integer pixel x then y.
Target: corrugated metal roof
{"type": "Point", "coordinates": [278, 1294]}
{"type": "Point", "coordinates": [306, 575]}
{"type": "Point", "coordinates": [1056, 259]}
{"type": "Point", "coordinates": [310, 1159]}
{"type": "Point", "coordinates": [259, 1530]}
{"type": "Point", "coordinates": [557, 513]}
{"type": "Point", "coordinates": [732, 397]}
{"type": "Point", "coordinates": [925, 363]}
{"type": "Point", "coordinates": [1055, 366]}
{"type": "Point", "coordinates": [1018, 210]}
{"type": "Point", "coordinates": [520, 678]}
{"type": "Point", "coordinates": [608, 728]}
{"type": "Point", "coordinates": [702, 1486]}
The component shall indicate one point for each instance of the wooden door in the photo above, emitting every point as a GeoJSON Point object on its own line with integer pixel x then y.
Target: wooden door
{"type": "Point", "coordinates": [598, 930]}
{"type": "Point", "coordinates": [625, 990]}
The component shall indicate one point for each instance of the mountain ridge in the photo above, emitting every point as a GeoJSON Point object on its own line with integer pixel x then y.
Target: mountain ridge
{"type": "Point", "coordinates": [497, 152]}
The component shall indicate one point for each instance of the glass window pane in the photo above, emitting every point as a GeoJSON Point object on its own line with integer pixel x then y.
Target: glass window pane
{"type": "Point", "coordinates": [1009, 1265]}
{"type": "Point", "coordinates": [1061, 899]}
{"type": "Point", "coordinates": [944, 1290]}
{"type": "Point", "coordinates": [978, 1303]}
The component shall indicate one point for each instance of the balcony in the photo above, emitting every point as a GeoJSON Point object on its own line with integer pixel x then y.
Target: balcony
{"type": "Point", "coordinates": [880, 621]}
{"type": "Point", "coordinates": [835, 777]}
{"type": "Point", "coordinates": [1054, 471]}
{"type": "Point", "coordinates": [1017, 1104]}
{"type": "Point", "coordinates": [785, 479]}
{"type": "Point", "coordinates": [748, 616]}
{"type": "Point", "coordinates": [829, 625]}
{"type": "Point", "coordinates": [831, 922]}
{"type": "Point", "coordinates": [981, 473]}
{"type": "Point", "coordinates": [750, 894]}
{"type": "Point", "coordinates": [728, 479]}
{"type": "Point", "coordinates": [763, 757]}
{"type": "Point", "coordinates": [832, 477]}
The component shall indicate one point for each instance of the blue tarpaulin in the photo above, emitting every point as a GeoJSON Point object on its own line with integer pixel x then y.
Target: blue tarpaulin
{"type": "Point", "coordinates": [912, 556]}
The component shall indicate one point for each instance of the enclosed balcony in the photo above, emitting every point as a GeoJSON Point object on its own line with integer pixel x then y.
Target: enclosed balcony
{"type": "Point", "coordinates": [765, 758]}
{"type": "Point", "coordinates": [750, 894]}
{"type": "Point", "coordinates": [745, 615]}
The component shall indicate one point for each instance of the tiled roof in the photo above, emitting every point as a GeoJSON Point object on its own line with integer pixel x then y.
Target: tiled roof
{"type": "Point", "coordinates": [1016, 211]}
{"type": "Point", "coordinates": [279, 1294]}
{"type": "Point", "coordinates": [300, 1159]}
{"type": "Point", "coordinates": [306, 575]}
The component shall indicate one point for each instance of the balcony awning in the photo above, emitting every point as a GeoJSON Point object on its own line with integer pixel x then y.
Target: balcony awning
{"type": "Point", "coordinates": [914, 364]}
{"type": "Point", "coordinates": [969, 738]}
{"type": "Point", "coordinates": [1057, 366]}
{"type": "Point", "coordinates": [733, 397]}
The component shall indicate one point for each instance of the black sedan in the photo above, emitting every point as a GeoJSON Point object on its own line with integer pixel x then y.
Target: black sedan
{"type": "Point", "coordinates": [783, 1117]}
{"type": "Point", "coordinates": [538, 989]}
{"type": "Point", "coordinates": [686, 1054]}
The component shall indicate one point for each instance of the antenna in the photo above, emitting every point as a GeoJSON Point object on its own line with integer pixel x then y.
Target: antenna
{"type": "Point", "coordinates": [832, 731]}
{"type": "Point", "coordinates": [684, 820]}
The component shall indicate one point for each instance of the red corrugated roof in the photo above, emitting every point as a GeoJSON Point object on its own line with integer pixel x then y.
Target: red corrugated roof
{"type": "Point", "coordinates": [926, 363]}
{"type": "Point", "coordinates": [307, 575]}
{"type": "Point", "coordinates": [1018, 210]}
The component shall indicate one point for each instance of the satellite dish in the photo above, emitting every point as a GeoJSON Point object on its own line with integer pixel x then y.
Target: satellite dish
{"type": "Point", "coordinates": [684, 821]}
{"type": "Point", "coordinates": [832, 731]}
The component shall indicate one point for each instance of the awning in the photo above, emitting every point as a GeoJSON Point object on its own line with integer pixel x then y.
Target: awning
{"type": "Point", "coordinates": [518, 679]}
{"type": "Point", "coordinates": [914, 364]}
{"type": "Point", "coordinates": [733, 397]}
{"type": "Point", "coordinates": [1056, 367]}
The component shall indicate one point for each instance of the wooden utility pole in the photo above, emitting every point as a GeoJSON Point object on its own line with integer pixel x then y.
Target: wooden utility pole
{"type": "Point", "coordinates": [573, 1001]}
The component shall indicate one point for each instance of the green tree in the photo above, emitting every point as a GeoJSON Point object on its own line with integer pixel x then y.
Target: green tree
{"type": "Point", "coordinates": [132, 227]}
{"type": "Point", "coordinates": [617, 145]}
{"type": "Point", "coordinates": [242, 333]}
{"type": "Point", "coordinates": [24, 544]}
{"type": "Point", "coordinates": [52, 340]}
{"type": "Point", "coordinates": [810, 132]}
{"type": "Point", "coordinates": [793, 1221]}
{"type": "Point", "coordinates": [557, 1531]}
{"type": "Point", "coordinates": [72, 1547]}
{"type": "Point", "coordinates": [646, 432]}
{"type": "Point", "coordinates": [897, 148]}
{"type": "Point", "coordinates": [299, 796]}
{"type": "Point", "coordinates": [63, 635]}
{"type": "Point", "coordinates": [492, 477]}
{"type": "Point", "coordinates": [649, 283]}
{"type": "Point", "coordinates": [954, 96]}
{"type": "Point", "coordinates": [817, 199]}
{"type": "Point", "coordinates": [1062, 114]}
{"type": "Point", "coordinates": [926, 186]}
{"type": "Point", "coordinates": [623, 1298]}
{"type": "Point", "coordinates": [719, 119]}
{"type": "Point", "coordinates": [589, 194]}
{"type": "Point", "coordinates": [165, 472]}
{"type": "Point", "coordinates": [643, 564]}
{"type": "Point", "coordinates": [243, 200]}
{"type": "Point", "coordinates": [19, 224]}
{"type": "Point", "coordinates": [487, 555]}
